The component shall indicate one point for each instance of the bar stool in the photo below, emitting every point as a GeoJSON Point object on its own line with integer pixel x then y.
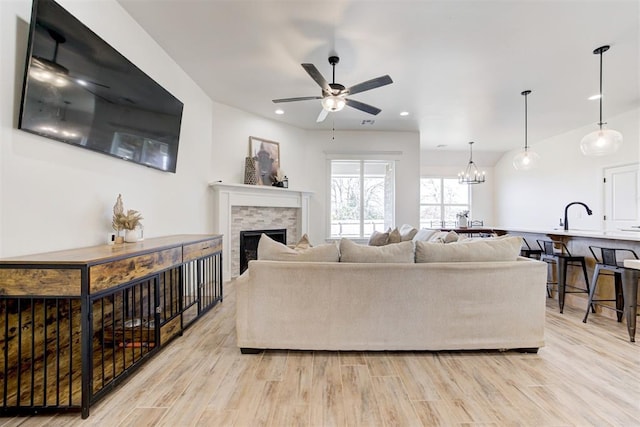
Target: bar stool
{"type": "Point", "coordinates": [563, 259]}
{"type": "Point", "coordinates": [528, 251]}
{"type": "Point", "coordinates": [608, 261]}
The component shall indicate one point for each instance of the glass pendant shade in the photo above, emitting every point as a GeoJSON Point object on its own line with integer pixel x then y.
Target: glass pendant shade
{"type": "Point", "coordinates": [333, 103]}
{"type": "Point", "coordinates": [525, 160]}
{"type": "Point", "coordinates": [601, 142]}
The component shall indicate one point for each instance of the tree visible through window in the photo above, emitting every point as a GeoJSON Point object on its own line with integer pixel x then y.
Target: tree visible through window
{"type": "Point", "coordinates": [441, 199]}
{"type": "Point", "coordinates": [362, 197]}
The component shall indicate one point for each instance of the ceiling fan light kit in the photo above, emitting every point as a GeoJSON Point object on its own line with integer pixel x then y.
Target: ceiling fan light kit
{"type": "Point", "coordinates": [526, 159]}
{"type": "Point", "coordinates": [333, 103]}
{"type": "Point", "coordinates": [603, 141]}
{"type": "Point", "coordinates": [471, 174]}
{"type": "Point", "coordinates": [334, 95]}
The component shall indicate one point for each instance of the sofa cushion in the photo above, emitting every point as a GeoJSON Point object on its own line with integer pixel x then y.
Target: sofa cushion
{"type": "Point", "coordinates": [481, 250]}
{"type": "Point", "coordinates": [270, 250]}
{"type": "Point", "coordinates": [396, 252]}
{"type": "Point", "coordinates": [378, 239]}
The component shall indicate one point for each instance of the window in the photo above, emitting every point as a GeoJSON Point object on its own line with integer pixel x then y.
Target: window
{"type": "Point", "coordinates": [441, 199]}
{"type": "Point", "coordinates": [362, 197]}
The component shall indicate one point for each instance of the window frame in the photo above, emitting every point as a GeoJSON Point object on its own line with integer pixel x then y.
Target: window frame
{"type": "Point", "coordinates": [442, 205]}
{"type": "Point", "coordinates": [390, 160]}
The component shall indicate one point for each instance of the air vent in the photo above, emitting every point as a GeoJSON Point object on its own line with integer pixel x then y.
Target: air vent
{"type": "Point", "coordinates": [367, 122]}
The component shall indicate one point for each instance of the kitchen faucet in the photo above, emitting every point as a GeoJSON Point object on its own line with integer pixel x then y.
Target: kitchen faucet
{"type": "Point", "coordinates": [566, 220]}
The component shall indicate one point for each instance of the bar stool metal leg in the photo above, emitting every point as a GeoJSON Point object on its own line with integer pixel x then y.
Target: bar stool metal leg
{"type": "Point", "coordinates": [619, 296]}
{"type": "Point", "coordinates": [630, 290]}
{"type": "Point", "coordinates": [562, 277]}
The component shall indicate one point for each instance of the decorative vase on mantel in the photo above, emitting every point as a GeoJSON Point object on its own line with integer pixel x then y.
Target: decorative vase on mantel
{"type": "Point", "coordinates": [131, 236]}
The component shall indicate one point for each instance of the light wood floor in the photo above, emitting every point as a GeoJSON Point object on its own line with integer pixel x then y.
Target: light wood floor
{"type": "Point", "coordinates": [586, 375]}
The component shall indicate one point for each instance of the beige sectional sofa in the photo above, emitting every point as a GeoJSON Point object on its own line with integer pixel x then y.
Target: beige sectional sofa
{"type": "Point", "coordinates": [461, 305]}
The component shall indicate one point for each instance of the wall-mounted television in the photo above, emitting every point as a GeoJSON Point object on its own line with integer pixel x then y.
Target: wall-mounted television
{"type": "Point", "coordinates": [79, 90]}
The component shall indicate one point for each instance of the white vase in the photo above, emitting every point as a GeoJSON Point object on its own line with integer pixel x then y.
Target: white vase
{"type": "Point", "coordinates": [131, 236]}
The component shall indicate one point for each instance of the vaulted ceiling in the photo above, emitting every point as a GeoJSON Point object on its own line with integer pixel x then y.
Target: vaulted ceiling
{"type": "Point", "coordinates": [458, 66]}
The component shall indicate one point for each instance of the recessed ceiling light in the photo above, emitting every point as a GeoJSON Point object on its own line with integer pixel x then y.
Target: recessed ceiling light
{"type": "Point", "coordinates": [404, 113]}
{"type": "Point", "coordinates": [594, 97]}
{"type": "Point", "coordinates": [279, 112]}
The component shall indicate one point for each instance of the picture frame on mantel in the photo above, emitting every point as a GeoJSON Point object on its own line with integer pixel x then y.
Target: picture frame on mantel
{"type": "Point", "coordinates": [267, 159]}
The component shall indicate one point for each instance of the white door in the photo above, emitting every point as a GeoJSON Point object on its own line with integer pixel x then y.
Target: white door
{"type": "Point", "coordinates": [621, 199]}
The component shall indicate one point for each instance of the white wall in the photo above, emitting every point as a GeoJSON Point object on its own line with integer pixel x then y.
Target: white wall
{"type": "Point", "coordinates": [56, 196]}
{"type": "Point", "coordinates": [231, 131]}
{"type": "Point", "coordinates": [536, 198]}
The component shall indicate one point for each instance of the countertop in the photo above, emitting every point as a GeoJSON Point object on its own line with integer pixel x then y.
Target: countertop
{"type": "Point", "coordinates": [596, 234]}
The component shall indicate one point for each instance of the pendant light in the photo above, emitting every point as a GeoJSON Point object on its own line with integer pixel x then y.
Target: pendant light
{"type": "Point", "coordinates": [471, 175]}
{"type": "Point", "coordinates": [602, 141]}
{"type": "Point", "coordinates": [526, 159]}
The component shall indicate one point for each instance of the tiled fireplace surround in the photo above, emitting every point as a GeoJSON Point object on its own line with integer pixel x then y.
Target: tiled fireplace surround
{"type": "Point", "coordinates": [239, 207]}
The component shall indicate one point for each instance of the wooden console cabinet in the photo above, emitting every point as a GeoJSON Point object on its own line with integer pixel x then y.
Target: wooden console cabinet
{"type": "Point", "coordinates": [74, 324]}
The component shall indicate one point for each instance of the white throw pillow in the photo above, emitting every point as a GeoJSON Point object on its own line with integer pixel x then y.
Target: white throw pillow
{"type": "Point", "coordinates": [270, 250]}
{"type": "Point", "coordinates": [482, 250]}
{"type": "Point", "coordinates": [397, 252]}
{"type": "Point", "coordinates": [424, 234]}
{"type": "Point", "coordinates": [444, 237]}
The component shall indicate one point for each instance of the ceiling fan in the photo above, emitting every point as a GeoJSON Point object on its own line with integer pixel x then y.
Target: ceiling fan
{"type": "Point", "coordinates": [334, 95]}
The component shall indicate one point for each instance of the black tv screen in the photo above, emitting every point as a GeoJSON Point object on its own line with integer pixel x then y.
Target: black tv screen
{"type": "Point", "coordinates": [79, 90]}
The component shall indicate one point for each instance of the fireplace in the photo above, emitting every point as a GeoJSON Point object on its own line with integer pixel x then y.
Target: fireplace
{"type": "Point", "coordinates": [240, 207]}
{"type": "Point", "coordinates": [249, 244]}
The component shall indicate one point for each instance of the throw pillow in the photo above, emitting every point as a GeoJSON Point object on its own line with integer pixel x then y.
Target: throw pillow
{"type": "Point", "coordinates": [398, 252]}
{"type": "Point", "coordinates": [424, 234]}
{"type": "Point", "coordinates": [394, 236]}
{"type": "Point", "coordinates": [482, 250]}
{"type": "Point", "coordinates": [407, 232]}
{"type": "Point", "coordinates": [303, 243]}
{"type": "Point", "coordinates": [270, 250]}
{"type": "Point", "coordinates": [444, 237]}
{"type": "Point", "coordinates": [378, 239]}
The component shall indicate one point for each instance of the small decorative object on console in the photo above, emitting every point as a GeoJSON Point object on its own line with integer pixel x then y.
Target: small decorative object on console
{"type": "Point", "coordinates": [128, 222]}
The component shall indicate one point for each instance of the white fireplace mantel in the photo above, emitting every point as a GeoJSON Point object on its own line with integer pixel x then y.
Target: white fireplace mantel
{"type": "Point", "coordinates": [228, 195]}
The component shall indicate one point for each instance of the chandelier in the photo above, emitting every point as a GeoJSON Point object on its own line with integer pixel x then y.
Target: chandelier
{"type": "Point", "coordinates": [471, 175]}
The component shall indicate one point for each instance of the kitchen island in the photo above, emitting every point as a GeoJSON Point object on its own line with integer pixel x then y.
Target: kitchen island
{"type": "Point", "coordinates": [578, 242]}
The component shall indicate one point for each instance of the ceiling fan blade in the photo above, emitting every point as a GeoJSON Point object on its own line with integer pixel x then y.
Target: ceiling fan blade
{"type": "Point", "coordinates": [370, 84]}
{"type": "Point", "coordinates": [315, 75]}
{"type": "Point", "coordinates": [323, 115]}
{"type": "Point", "coordinates": [362, 106]}
{"type": "Point", "coordinates": [303, 98]}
